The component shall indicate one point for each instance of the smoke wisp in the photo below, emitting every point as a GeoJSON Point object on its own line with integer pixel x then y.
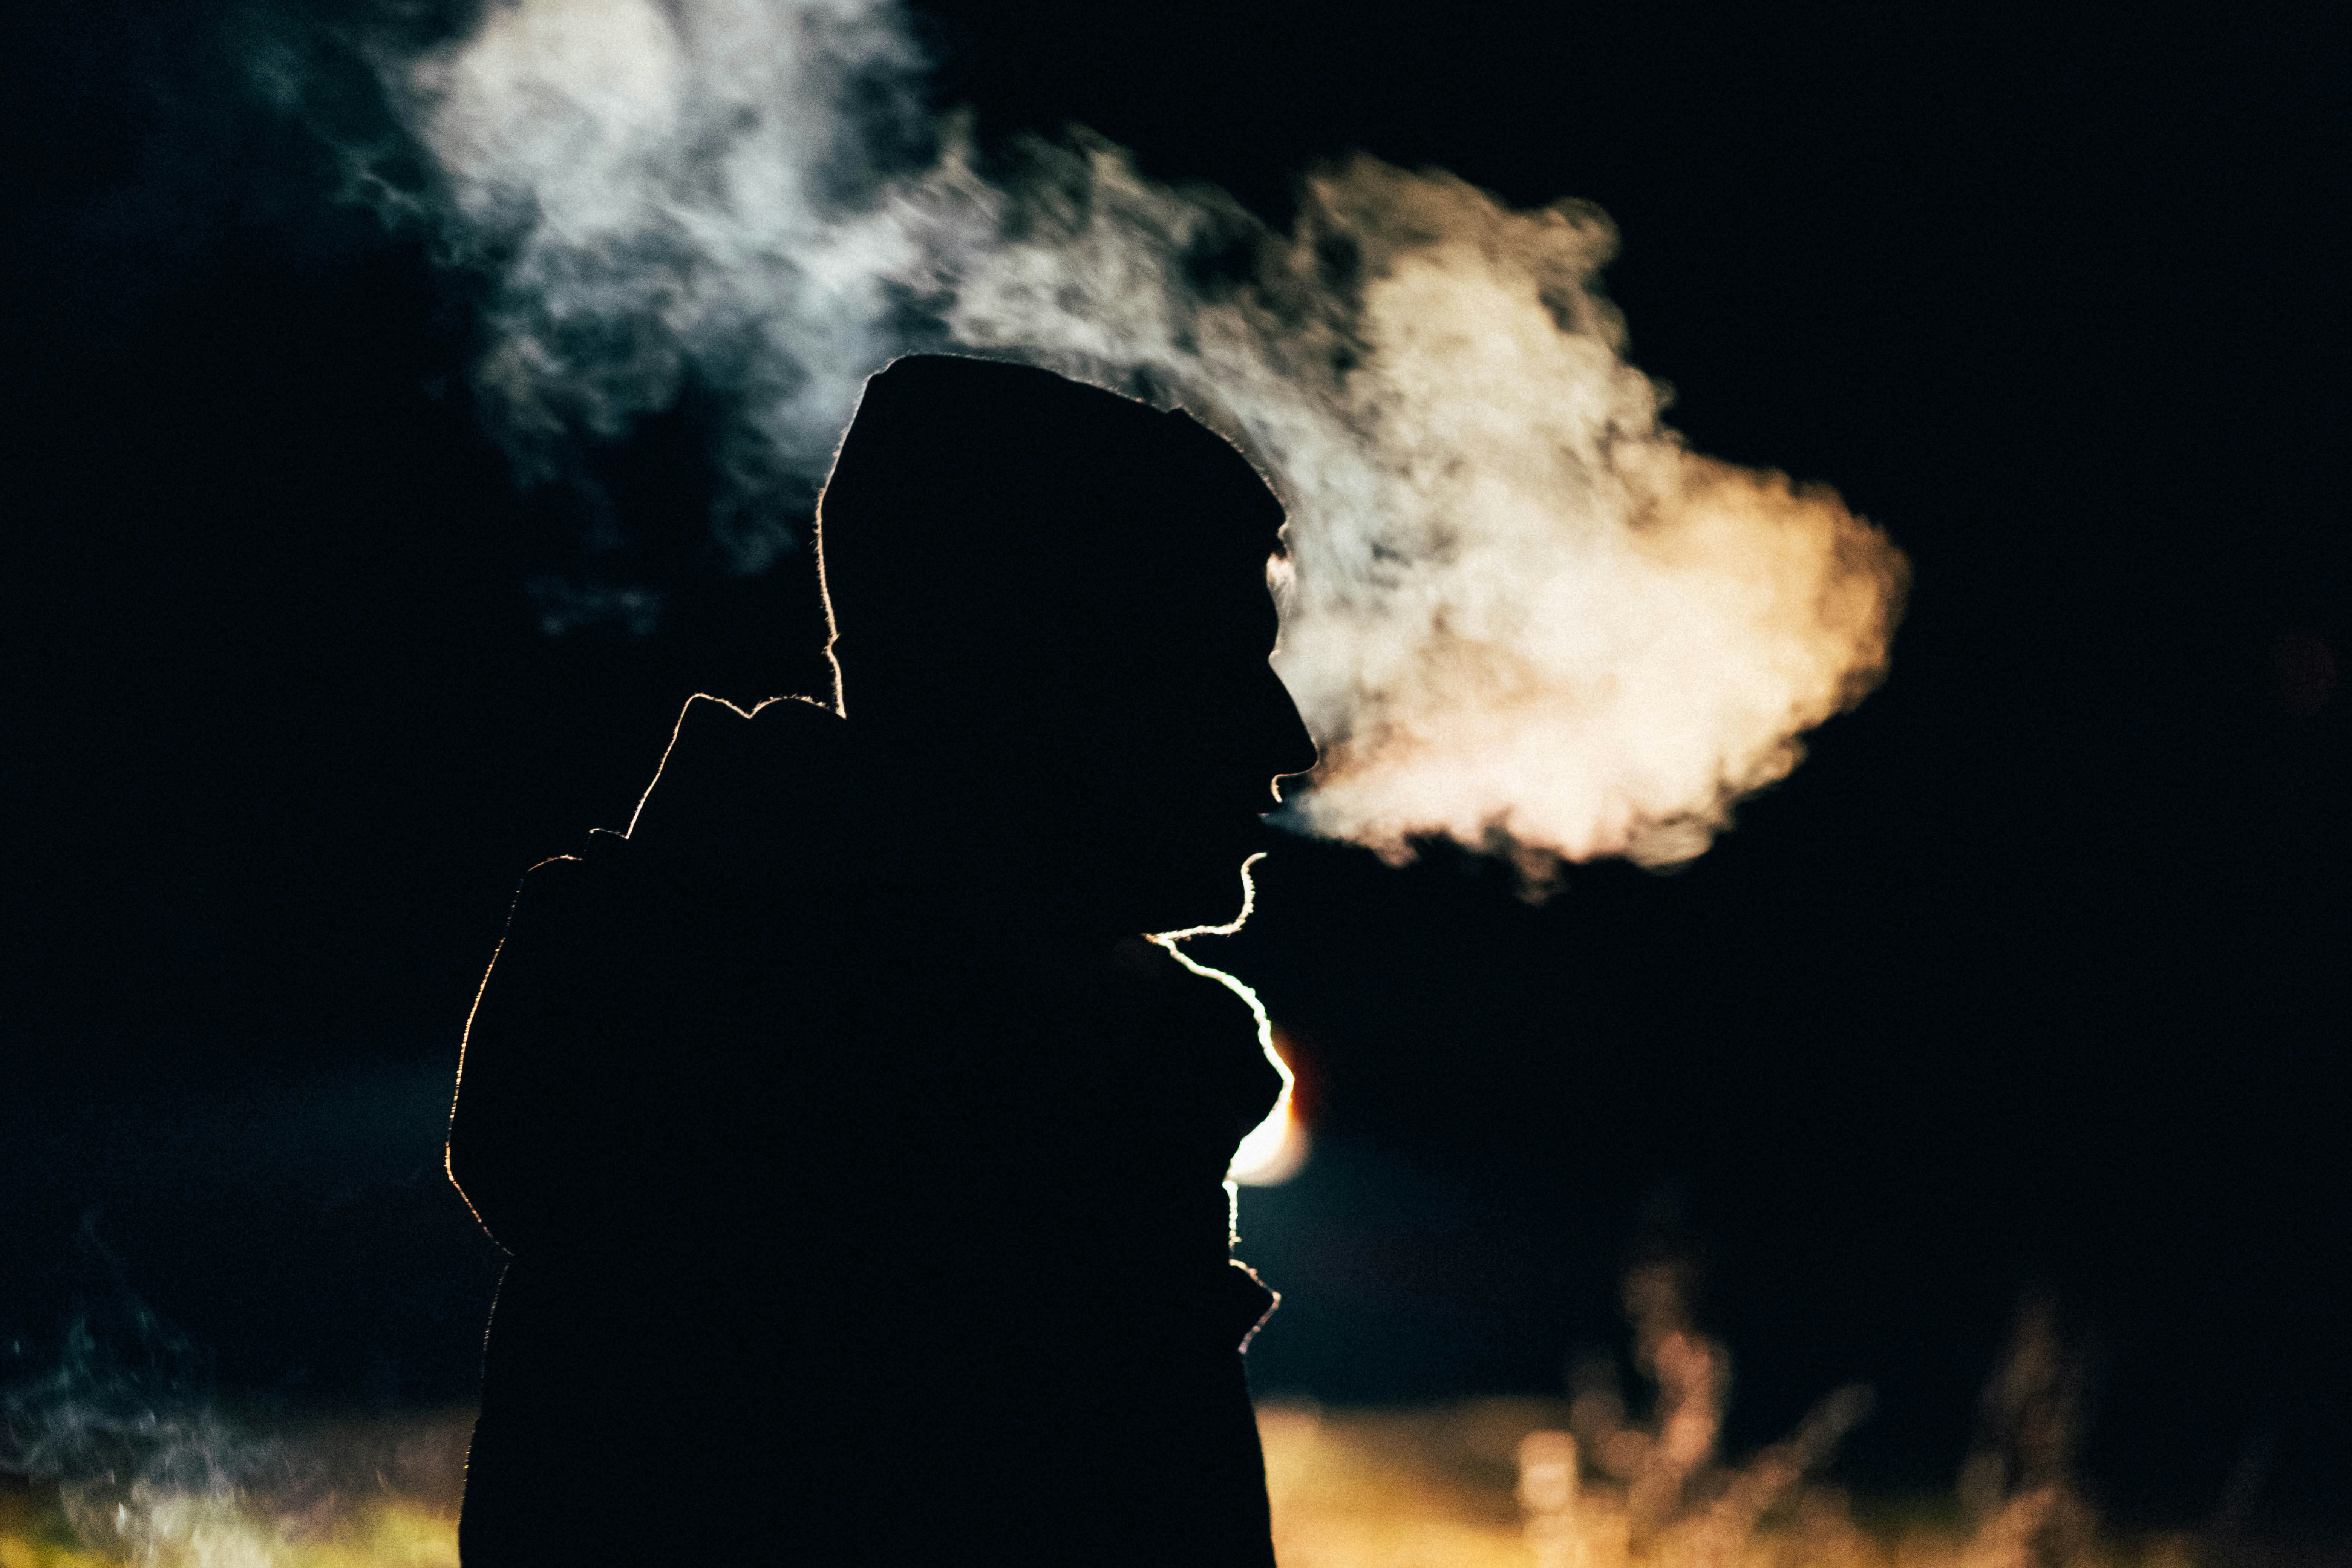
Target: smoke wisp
{"type": "Point", "coordinates": [146, 1467]}
{"type": "Point", "coordinates": [1519, 613]}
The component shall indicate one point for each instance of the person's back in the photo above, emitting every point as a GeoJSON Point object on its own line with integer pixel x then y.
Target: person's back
{"type": "Point", "coordinates": [860, 1161]}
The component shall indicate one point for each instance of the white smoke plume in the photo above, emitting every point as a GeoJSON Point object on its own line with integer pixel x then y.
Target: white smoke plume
{"type": "Point", "coordinates": [1519, 612]}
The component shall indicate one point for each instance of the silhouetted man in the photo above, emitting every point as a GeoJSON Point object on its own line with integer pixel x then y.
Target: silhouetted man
{"type": "Point", "coordinates": [861, 1165]}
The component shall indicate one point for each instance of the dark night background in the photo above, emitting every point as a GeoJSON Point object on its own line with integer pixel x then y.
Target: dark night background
{"type": "Point", "coordinates": [2030, 981]}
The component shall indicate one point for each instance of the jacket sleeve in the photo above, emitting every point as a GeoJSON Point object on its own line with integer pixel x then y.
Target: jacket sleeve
{"type": "Point", "coordinates": [514, 1130]}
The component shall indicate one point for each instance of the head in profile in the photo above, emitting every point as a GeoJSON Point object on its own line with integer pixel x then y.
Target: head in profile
{"type": "Point", "coordinates": [1052, 623]}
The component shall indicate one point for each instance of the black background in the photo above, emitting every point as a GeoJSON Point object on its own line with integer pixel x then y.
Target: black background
{"type": "Point", "coordinates": [2030, 981]}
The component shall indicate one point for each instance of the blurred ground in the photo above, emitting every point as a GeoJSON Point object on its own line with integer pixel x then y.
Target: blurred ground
{"type": "Point", "coordinates": [1458, 1485]}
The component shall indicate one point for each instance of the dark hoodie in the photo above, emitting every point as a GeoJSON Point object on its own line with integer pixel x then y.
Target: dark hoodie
{"type": "Point", "coordinates": [847, 1228]}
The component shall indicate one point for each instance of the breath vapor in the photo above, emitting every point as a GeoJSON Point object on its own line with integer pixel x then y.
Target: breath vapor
{"type": "Point", "coordinates": [1517, 611]}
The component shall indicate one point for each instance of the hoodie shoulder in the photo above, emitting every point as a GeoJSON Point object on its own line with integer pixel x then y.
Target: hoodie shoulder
{"type": "Point", "coordinates": [736, 785]}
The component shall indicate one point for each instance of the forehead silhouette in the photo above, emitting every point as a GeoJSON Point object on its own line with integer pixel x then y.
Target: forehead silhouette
{"type": "Point", "coordinates": [1013, 514]}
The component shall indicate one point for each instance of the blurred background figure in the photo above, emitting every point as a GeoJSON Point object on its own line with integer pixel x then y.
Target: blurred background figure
{"type": "Point", "coordinates": [1546, 1494]}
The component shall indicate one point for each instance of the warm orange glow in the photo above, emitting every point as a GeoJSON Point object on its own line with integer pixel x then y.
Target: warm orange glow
{"type": "Point", "coordinates": [1275, 1148]}
{"type": "Point", "coordinates": [1493, 1483]}
{"type": "Point", "coordinates": [1535, 1483]}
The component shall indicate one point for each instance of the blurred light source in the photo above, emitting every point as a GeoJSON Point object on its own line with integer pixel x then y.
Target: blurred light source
{"type": "Point", "coordinates": [1276, 1147]}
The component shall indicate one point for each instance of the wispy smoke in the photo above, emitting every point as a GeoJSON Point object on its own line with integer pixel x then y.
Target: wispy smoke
{"type": "Point", "coordinates": [145, 1467]}
{"type": "Point", "coordinates": [1521, 614]}
{"type": "Point", "coordinates": [149, 1469]}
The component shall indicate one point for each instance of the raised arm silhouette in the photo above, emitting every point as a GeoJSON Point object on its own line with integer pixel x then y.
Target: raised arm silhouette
{"type": "Point", "coordinates": [860, 1162]}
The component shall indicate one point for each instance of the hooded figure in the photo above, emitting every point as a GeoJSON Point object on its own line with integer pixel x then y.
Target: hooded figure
{"type": "Point", "coordinates": [861, 1163]}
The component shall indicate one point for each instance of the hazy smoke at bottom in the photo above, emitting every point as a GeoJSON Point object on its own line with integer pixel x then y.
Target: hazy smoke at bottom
{"type": "Point", "coordinates": [1519, 612]}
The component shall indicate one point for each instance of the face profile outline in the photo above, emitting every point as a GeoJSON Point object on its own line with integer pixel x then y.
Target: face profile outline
{"type": "Point", "coordinates": [1065, 657]}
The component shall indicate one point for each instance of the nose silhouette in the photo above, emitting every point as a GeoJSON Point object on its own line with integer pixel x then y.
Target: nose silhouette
{"type": "Point", "coordinates": [1289, 747]}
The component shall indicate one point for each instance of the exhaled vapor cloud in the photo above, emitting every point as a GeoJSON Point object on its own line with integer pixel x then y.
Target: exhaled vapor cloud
{"type": "Point", "coordinates": [1519, 612]}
